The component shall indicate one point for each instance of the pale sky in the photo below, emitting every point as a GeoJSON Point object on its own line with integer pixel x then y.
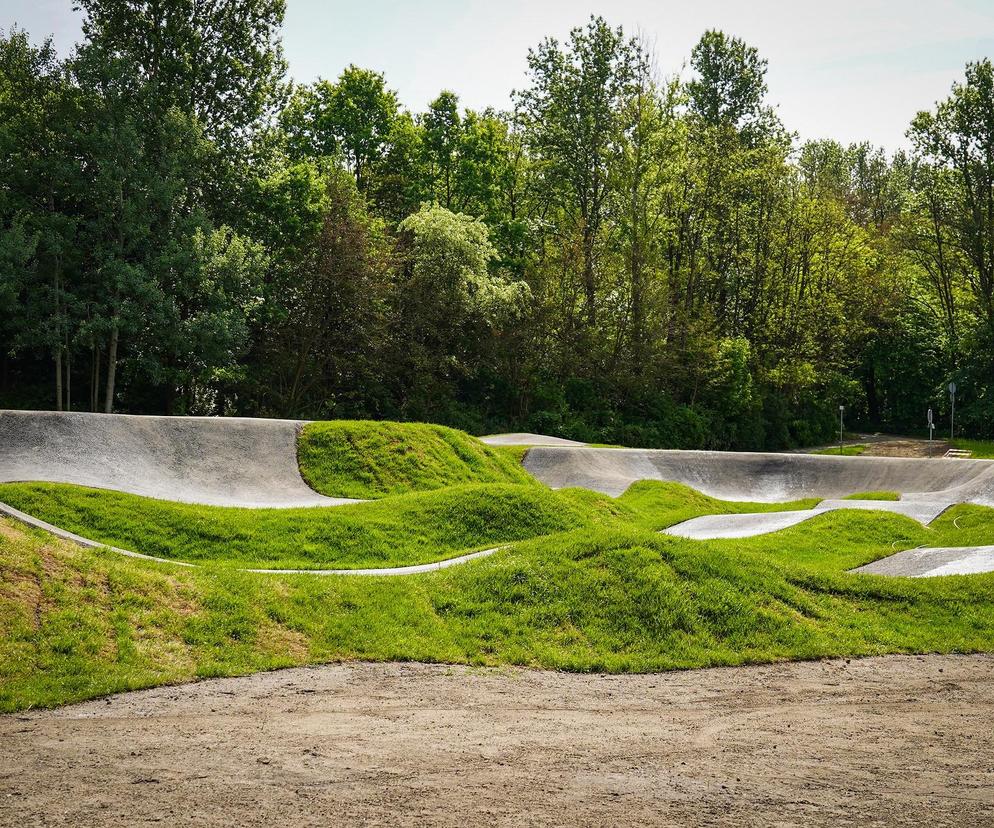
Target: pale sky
{"type": "Point", "coordinates": [849, 69]}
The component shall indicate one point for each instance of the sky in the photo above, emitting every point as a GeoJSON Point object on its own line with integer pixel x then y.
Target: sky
{"type": "Point", "coordinates": [852, 70]}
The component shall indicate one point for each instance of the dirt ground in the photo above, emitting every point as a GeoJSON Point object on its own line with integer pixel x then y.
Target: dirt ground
{"type": "Point", "coordinates": [884, 741]}
{"type": "Point", "coordinates": [906, 447]}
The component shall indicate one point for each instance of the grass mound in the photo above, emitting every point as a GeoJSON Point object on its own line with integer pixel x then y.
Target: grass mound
{"type": "Point", "coordinates": [657, 505]}
{"type": "Point", "coordinates": [408, 529]}
{"type": "Point", "coordinates": [367, 459]}
{"type": "Point", "coordinates": [414, 528]}
{"type": "Point", "coordinates": [77, 623]}
{"type": "Point", "coordinates": [873, 496]}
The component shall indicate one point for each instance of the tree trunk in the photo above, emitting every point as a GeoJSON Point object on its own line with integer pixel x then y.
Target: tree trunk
{"type": "Point", "coordinates": [68, 375]}
{"type": "Point", "coordinates": [111, 371]}
{"type": "Point", "coordinates": [589, 286]}
{"type": "Point", "coordinates": [58, 347]}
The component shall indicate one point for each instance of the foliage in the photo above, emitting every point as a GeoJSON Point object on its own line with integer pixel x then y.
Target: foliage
{"type": "Point", "coordinates": [623, 258]}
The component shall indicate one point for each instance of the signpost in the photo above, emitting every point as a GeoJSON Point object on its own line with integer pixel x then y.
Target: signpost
{"type": "Point", "coordinates": [952, 411]}
{"type": "Point", "coordinates": [931, 429]}
{"type": "Point", "coordinates": [842, 410]}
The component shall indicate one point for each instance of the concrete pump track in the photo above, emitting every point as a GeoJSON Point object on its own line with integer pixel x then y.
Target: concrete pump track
{"type": "Point", "coordinates": [252, 463]}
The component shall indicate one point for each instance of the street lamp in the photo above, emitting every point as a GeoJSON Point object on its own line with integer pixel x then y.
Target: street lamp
{"type": "Point", "coordinates": [842, 410]}
{"type": "Point", "coordinates": [952, 411]}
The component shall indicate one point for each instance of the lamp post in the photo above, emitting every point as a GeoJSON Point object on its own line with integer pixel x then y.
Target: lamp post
{"type": "Point", "coordinates": [952, 411]}
{"type": "Point", "coordinates": [842, 410]}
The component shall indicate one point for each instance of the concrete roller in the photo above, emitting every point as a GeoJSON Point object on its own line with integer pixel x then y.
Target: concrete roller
{"type": "Point", "coordinates": [765, 477]}
{"type": "Point", "coordinates": [216, 461]}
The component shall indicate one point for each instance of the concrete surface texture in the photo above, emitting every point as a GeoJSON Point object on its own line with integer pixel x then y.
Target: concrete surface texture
{"type": "Point", "coordinates": [765, 477]}
{"type": "Point", "coordinates": [891, 741]}
{"type": "Point", "coordinates": [761, 523]}
{"type": "Point", "coordinates": [928, 562]}
{"type": "Point", "coordinates": [210, 460]}
{"type": "Point", "coordinates": [527, 439]}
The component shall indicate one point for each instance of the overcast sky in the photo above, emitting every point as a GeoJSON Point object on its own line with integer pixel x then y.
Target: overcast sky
{"type": "Point", "coordinates": [849, 69]}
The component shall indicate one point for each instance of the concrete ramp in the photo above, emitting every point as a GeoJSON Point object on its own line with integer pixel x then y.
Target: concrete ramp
{"type": "Point", "coordinates": [928, 562]}
{"type": "Point", "coordinates": [710, 527]}
{"type": "Point", "coordinates": [211, 460]}
{"type": "Point", "coordinates": [763, 477]}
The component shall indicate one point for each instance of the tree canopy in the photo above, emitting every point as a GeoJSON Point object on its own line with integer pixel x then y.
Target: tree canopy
{"type": "Point", "coordinates": [624, 256]}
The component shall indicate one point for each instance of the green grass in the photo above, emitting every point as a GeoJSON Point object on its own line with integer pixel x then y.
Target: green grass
{"type": "Point", "coordinates": [982, 449]}
{"type": "Point", "coordinates": [847, 451]}
{"type": "Point", "coordinates": [407, 529]}
{"type": "Point", "coordinates": [366, 459]}
{"type": "Point", "coordinates": [78, 623]}
{"type": "Point", "coordinates": [583, 581]}
{"type": "Point", "coordinates": [656, 505]}
{"type": "Point", "coordinates": [397, 531]}
{"type": "Point", "coordinates": [873, 496]}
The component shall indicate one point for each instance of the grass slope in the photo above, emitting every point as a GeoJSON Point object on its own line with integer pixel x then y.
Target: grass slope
{"type": "Point", "coordinates": [78, 623]}
{"type": "Point", "coordinates": [873, 496]}
{"type": "Point", "coordinates": [847, 451]}
{"type": "Point", "coordinates": [397, 531]}
{"type": "Point", "coordinates": [366, 459]}
{"type": "Point", "coordinates": [982, 449]}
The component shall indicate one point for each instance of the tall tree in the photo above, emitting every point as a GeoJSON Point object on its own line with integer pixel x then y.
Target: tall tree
{"type": "Point", "coordinates": [730, 81]}
{"type": "Point", "coordinates": [571, 111]}
{"type": "Point", "coordinates": [220, 61]}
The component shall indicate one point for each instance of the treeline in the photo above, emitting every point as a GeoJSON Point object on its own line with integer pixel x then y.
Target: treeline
{"type": "Point", "coordinates": [622, 257]}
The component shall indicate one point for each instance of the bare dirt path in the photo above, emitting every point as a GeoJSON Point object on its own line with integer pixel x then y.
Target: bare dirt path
{"type": "Point", "coordinates": [884, 741]}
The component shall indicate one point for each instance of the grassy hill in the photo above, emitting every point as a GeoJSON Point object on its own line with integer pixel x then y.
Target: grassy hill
{"type": "Point", "coordinates": [77, 623]}
{"type": "Point", "coordinates": [366, 459]}
{"type": "Point", "coordinates": [582, 582]}
{"type": "Point", "coordinates": [414, 528]}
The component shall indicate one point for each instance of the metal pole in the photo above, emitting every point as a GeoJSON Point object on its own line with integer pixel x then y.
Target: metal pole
{"type": "Point", "coordinates": [842, 408]}
{"type": "Point", "coordinates": [952, 411]}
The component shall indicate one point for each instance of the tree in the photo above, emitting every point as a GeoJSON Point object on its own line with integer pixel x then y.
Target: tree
{"type": "Point", "coordinates": [442, 138]}
{"type": "Point", "coordinates": [37, 182]}
{"type": "Point", "coordinates": [320, 345]}
{"type": "Point", "coordinates": [571, 113]}
{"type": "Point", "coordinates": [352, 117]}
{"type": "Point", "coordinates": [220, 61]}
{"type": "Point", "coordinates": [730, 81]}
{"type": "Point", "coordinates": [448, 303]}
{"type": "Point", "coordinates": [959, 135]}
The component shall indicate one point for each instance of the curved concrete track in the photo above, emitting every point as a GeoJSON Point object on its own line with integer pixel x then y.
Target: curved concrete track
{"type": "Point", "coordinates": [927, 487]}
{"type": "Point", "coordinates": [926, 562]}
{"type": "Point", "coordinates": [765, 477]}
{"type": "Point", "coordinates": [210, 460]}
{"type": "Point", "coordinates": [760, 523]}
